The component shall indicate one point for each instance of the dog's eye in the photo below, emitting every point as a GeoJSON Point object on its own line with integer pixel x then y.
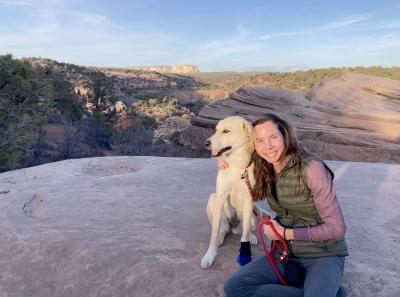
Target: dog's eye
{"type": "Point", "coordinates": [226, 131]}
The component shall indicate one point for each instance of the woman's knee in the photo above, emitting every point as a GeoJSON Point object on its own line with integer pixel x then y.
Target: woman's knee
{"type": "Point", "coordinates": [238, 285]}
{"type": "Point", "coordinates": [231, 287]}
{"type": "Point", "coordinates": [324, 275]}
{"type": "Point", "coordinates": [248, 278]}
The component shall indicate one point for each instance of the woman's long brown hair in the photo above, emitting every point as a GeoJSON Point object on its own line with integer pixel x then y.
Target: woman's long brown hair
{"type": "Point", "coordinates": [263, 171]}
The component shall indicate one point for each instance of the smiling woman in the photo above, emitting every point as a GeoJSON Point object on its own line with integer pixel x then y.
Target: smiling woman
{"type": "Point", "coordinates": [270, 144]}
{"type": "Point", "coordinates": [299, 188]}
{"type": "Point", "coordinates": [275, 143]}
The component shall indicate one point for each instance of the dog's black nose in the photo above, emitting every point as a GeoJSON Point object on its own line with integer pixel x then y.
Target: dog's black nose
{"type": "Point", "coordinates": [208, 143]}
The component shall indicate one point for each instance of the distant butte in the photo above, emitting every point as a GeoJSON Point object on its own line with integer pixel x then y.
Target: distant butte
{"type": "Point", "coordinates": [169, 69]}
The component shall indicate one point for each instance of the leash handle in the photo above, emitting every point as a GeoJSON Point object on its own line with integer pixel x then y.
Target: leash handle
{"type": "Point", "coordinates": [279, 244]}
{"type": "Point", "coordinates": [270, 254]}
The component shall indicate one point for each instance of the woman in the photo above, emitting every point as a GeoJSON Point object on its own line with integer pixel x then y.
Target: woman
{"type": "Point", "coordinates": [299, 188]}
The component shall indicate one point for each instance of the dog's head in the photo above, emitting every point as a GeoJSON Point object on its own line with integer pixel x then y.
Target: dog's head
{"type": "Point", "coordinates": [230, 134]}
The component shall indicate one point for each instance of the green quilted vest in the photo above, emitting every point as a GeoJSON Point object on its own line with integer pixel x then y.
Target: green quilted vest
{"type": "Point", "coordinates": [295, 208]}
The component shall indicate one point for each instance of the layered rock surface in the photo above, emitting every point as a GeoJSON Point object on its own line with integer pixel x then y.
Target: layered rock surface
{"type": "Point", "coordinates": [137, 226]}
{"type": "Point", "coordinates": [354, 117]}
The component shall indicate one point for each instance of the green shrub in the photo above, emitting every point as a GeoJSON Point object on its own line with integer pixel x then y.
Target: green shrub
{"type": "Point", "coordinates": [160, 109]}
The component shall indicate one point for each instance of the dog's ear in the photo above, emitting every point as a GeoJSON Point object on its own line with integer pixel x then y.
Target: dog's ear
{"type": "Point", "coordinates": [249, 129]}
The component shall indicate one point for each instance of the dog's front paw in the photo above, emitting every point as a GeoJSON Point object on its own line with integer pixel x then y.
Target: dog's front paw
{"type": "Point", "coordinates": [208, 258]}
{"type": "Point", "coordinates": [244, 253]}
{"type": "Point", "coordinates": [253, 239]}
{"type": "Point", "coordinates": [243, 260]}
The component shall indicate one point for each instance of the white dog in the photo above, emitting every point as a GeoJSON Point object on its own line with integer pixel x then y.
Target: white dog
{"type": "Point", "coordinates": [234, 140]}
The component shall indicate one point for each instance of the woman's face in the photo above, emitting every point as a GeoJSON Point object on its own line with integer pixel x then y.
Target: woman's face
{"type": "Point", "coordinates": [269, 142]}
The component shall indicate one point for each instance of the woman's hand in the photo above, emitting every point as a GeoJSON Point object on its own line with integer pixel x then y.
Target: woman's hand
{"type": "Point", "coordinates": [270, 234]}
{"type": "Point", "coordinates": [222, 163]}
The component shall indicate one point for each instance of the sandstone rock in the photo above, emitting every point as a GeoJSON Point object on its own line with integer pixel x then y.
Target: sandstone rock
{"type": "Point", "coordinates": [137, 226]}
{"type": "Point", "coordinates": [354, 117]}
{"type": "Point", "coordinates": [119, 106]}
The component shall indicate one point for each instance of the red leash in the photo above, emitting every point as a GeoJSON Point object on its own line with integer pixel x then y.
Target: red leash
{"type": "Point", "coordinates": [279, 244]}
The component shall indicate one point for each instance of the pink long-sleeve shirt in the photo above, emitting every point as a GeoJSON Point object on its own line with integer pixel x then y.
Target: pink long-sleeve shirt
{"type": "Point", "coordinates": [323, 191]}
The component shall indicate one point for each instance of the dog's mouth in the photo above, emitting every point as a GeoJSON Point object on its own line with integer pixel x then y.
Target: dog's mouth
{"type": "Point", "coordinates": [216, 153]}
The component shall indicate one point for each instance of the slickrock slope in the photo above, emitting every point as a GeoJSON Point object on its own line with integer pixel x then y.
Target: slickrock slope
{"type": "Point", "coordinates": [354, 117]}
{"type": "Point", "coordinates": [137, 226]}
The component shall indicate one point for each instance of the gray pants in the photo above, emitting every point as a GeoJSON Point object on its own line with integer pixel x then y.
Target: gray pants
{"type": "Point", "coordinates": [322, 277]}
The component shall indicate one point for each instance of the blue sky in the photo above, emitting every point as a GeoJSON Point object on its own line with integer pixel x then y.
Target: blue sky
{"type": "Point", "coordinates": [214, 35]}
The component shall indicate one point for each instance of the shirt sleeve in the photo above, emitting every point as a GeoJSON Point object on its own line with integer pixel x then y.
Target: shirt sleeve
{"type": "Point", "coordinates": [323, 192]}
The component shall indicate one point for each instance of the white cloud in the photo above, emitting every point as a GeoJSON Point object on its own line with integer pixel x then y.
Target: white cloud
{"type": "Point", "coordinates": [228, 42]}
{"type": "Point", "coordinates": [312, 31]}
{"type": "Point", "coordinates": [344, 23]}
{"type": "Point", "coordinates": [225, 46]}
{"type": "Point", "coordinates": [283, 34]}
